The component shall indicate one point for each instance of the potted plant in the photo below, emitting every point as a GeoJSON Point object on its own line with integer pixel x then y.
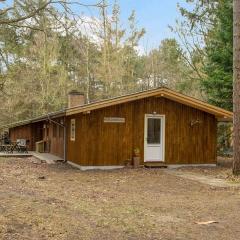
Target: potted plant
{"type": "Point", "coordinates": [136, 157]}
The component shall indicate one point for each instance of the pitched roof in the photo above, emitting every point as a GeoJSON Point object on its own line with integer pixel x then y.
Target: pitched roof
{"type": "Point", "coordinates": [56, 114]}
{"type": "Point", "coordinates": [220, 113]}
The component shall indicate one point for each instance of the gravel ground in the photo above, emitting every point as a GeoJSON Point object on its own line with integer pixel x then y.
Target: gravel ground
{"type": "Point", "coordinates": [40, 201]}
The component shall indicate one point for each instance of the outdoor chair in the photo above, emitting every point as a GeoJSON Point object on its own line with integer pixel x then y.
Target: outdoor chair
{"type": "Point", "coordinates": [9, 148]}
{"type": "Point", "coordinates": [21, 145]}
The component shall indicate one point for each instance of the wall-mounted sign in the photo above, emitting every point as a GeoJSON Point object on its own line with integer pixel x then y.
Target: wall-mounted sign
{"type": "Point", "coordinates": [114, 120]}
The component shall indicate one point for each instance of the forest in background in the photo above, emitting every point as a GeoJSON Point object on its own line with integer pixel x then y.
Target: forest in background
{"type": "Point", "coordinates": [55, 50]}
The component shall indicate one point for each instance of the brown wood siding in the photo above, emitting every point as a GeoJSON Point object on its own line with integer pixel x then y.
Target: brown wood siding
{"type": "Point", "coordinates": [32, 132]}
{"type": "Point", "coordinates": [35, 132]}
{"type": "Point", "coordinates": [23, 132]}
{"type": "Point", "coordinates": [99, 143]}
{"type": "Point", "coordinates": [57, 139]}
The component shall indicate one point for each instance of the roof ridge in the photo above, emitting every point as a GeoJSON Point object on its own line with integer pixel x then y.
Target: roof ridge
{"type": "Point", "coordinates": [167, 92]}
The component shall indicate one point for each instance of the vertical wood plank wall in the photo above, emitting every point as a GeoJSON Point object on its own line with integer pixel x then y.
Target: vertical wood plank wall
{"type": "Point", "coordinates": [34, 132]}
{"type": "Point", "coordinates": [31, 132]}
{"type": "Point", "coordinates": [56, 140]}
{"type": "Point", "coordinates": [99, 143]}
{"type": "Point", "coordinates": [23, 132]}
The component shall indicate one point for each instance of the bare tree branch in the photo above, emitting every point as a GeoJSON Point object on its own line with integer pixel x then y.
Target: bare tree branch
{"type": "Point", "coordinates": [30, 15]}
{"type": "Point", "coordinates": [63, 3]}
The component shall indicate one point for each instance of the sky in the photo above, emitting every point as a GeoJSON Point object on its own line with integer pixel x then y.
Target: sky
{"type": "Point", "coordinates": [154, 15]}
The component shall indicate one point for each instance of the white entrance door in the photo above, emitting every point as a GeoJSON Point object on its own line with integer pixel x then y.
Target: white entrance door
{"type": "Point", "coordinates": [154, 138]}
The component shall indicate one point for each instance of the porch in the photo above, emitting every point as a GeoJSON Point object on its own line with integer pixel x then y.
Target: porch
{"type": "Point", "coordinates": [45, 136]}
{"type": "Point", "coordinates": [47, 157]}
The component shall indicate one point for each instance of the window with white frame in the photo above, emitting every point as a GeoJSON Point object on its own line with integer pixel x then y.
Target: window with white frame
{"type": "Point", "coordinates": [73, 130]}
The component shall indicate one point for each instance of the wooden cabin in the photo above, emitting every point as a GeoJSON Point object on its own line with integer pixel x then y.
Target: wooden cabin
{"type": "Point", "coordinates": [162, 125]}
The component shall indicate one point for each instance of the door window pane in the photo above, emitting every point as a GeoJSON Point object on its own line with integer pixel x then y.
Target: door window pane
{"type": "Point", "coordinates": [154, 131]}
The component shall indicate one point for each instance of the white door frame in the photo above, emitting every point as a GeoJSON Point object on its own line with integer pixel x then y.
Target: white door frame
{"type": "Point", "coordinates": [162, 117]}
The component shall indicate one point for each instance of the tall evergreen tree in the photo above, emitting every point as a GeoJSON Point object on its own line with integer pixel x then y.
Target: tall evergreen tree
{"type": "Point", "coordinates": [218, 69]}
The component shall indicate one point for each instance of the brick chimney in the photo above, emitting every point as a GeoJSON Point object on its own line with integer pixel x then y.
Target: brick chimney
{"type": "Point", "coordinates": [75, 99]}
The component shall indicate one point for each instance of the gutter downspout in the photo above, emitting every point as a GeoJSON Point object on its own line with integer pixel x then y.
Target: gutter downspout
{"type": "Point", "coordinates": [64, 137]}
{"type": "Point", "coordinates": [64, 142]}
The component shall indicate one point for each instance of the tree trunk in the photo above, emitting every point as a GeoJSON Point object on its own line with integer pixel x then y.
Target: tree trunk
{"type": "Point", "coordinates": [236, 87]}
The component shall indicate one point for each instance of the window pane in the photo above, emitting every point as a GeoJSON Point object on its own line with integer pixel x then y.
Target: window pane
{"type": "Point", "coordinates": [154, 131]}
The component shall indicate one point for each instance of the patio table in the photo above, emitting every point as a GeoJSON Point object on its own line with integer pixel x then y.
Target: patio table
{"type": "Point", "coordinates": [8, 148]}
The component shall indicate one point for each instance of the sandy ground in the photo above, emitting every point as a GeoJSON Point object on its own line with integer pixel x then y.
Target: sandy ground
{"type": "Point", "coordinates": [40, 201]}
{"type": "Point", "coordinates": [216, 172]}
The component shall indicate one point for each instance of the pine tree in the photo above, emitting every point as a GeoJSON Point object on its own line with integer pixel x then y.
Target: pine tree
{"type": "Point", "coordinates": [218, 69]}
